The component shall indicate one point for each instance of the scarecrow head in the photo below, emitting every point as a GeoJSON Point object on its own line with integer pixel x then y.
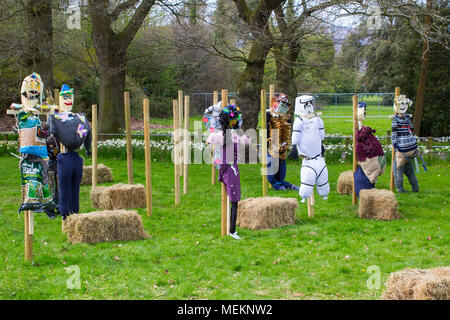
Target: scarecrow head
{"type": "Point", "coordinates": [230, 118]}
{"type": "Point", "coordinates": [31, 91]}
{"type": "Point", "coordinates": [304, 105]}
{"type": "Point", "coordinates": [280, 104]}
{"type": "Point", "coordinates": [362, 106]}
{"type": "Point", "coordinates": [66, 99]}
{"type": "Point", "coordinates": [401, 104]}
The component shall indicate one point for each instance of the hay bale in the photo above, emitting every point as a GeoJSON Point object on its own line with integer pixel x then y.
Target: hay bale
{"type": "Point", "coordinates": [345, 182]}
{"type": "Point", "coordinates": [103, 226]}
{"type": "Point", "coordinates": [266, 212]}
{"type": "Point", "coordinates": [104, 174]}
{"type": "Point", "coordinates": [119, 196]}
{"type": "Point", "coordinates": [417, 284]}
{"type": "Point", "coordinates": [378, 204]}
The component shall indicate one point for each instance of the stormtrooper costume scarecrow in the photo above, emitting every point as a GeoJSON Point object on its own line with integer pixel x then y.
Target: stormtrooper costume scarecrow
{"type": "Point", "coordinates": [369, 153]}
{"type": "Point", "coordinates": [404, 144]}
{"type": "Point", "coordinates": [308, 135]}
{"type": "Point", "coordinates": [72, 130]}
{"type": "Point", "coordinates": [226, 142]}
{"type": "Point", "coordinates": [36, 193]}
{"type": "Point", "coordinates": [278, 142]}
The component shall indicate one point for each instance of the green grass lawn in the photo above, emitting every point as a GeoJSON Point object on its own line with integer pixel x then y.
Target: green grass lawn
{"type": "Point", "coordinates": [325, 257]}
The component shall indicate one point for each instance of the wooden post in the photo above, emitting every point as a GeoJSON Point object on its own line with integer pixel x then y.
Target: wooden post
{"type": "Point", "coordinates": [180, 125]}
{"type": "Point", "coordinates": [224, 213]}
{"type": "Point", "coordinates": [397, 93]}
{"type": "Point", "coordinates": [126, 97]}
{"type": "Point", "coordinates": [28, 230]}
{"type": "Point", "coordinates": [213, 168]}
{"type": "Point", "coordinates": [388, 137]}
{"type": "Point", "coordinates": [271, 93]}
{"type": "Point", "coordinates": [263, 139]}
{"type": "Point", "coordinates": [56, 98]}
{"type": "Point", "coordinates": [94, 145]}
{"type": "Point", "coordinates": [186, 148]}
{"type": "Point", "coordinates": [176, 152]}
{"type": "Point", "coordinates": [355, 161]}
{"type": "Point", "coordinates": [232, 101]}
{"type": "Point", "coordinates": [311, 203]}
{"type": "Point", "coordinates": [148, 158]}
{"type": "Point", "coordinates": [429, 143]}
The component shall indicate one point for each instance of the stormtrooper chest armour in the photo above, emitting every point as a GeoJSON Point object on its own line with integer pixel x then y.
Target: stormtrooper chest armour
{"type": "Point", "coordinates": [310, 137]}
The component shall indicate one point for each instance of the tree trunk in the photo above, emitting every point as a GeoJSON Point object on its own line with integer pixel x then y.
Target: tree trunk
{"type": "Point", "coordinates": [38, 57]}
{"type": "Point", "coordinates": [250, 82]}
{"type": "Point", "coordinates": [112, 87]}
{"type": "Point", "coordinates": [418, 111]}
{"type": "Point", "coordinates": [285, 63]}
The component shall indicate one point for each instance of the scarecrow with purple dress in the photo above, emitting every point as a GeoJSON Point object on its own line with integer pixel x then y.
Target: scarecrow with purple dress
{"type": "Point", "coordinates": [226, 143]}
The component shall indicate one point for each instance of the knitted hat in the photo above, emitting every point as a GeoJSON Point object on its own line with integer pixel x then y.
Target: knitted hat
{"type": "Point", "coordinates": [367, 145]}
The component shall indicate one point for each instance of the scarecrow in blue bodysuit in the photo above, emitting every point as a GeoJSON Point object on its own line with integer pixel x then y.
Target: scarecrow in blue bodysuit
{"type": "Point", "coordinates": [72, 130]}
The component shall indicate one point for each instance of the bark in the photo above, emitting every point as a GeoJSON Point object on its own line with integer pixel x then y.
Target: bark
{"type": "Point", "coordinates": [250, 82]}
{"type": "Point", "coordinates": [285, 59]}
{"type": "Point", "coordinates": [38, 57]}
{"type": "Point", "coordinates": [111, 49]}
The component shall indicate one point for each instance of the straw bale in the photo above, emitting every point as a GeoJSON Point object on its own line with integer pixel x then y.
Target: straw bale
{"type": "Point", "coordinates": [104, 226]}
{"type": "Point", "coordinates": [345, 182]}
{"type": "Point", "coordinates": [378, 204]}
{"type": "Point", "coordinates": [119, 196]}
{"type": "Point", "coordinates": [104, 174]}
{"type": "Point", "coordinates": [418, 284]}
{"type": "Point", "coordinates": [266, 212]}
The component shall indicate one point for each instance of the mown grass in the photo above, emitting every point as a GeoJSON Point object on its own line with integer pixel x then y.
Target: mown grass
{"type": "Point", "coordinates": [325, 257]}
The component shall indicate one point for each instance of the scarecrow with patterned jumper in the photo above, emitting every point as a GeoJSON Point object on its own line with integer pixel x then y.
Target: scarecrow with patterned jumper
{"type": "Point", "coordinates": [405, 144]}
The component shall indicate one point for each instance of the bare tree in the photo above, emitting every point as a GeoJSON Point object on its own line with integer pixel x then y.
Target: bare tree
{"type": "Point", "coordinates": [111, 49]}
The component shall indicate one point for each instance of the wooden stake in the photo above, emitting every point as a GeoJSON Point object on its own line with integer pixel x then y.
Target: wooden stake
{"type": "Point", "coordinates": [180, 125]}
{"type": "Point", "coordinates": [186, 148]}
{"type": "Point", "coordinates": [355, 162]}
{"type": "Point", "coordinates": [271, 93]}
{"type": "Point", "coordinates": [224, 225]}
{"type": "Point", "coordinates": [94, 145]}
{"type": "Point", "coordinates": [391, 186]}
{"type": "Point", "coordinates": [56, 97]}
{"type": "Point", "coordinates": [311, 203]}
{"type": "Point", "coordinates": [148, 158]}
{"type": "Point", "coordinates": [233, 101]}
{"type": "Point", "coordinates": [263, 139]}
{"type": "Point", "coordinates": [176, 153]}
{"type": "Point", "coordinates": [28, 231]}
{"type": "Point", "coordinates": [126, 96]}
{"type": "Point", "coordinates": [213, 168]}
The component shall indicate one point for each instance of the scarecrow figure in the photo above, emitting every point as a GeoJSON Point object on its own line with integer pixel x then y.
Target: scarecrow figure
{"type": "Point", "coordinates": [369, 153]}
{"type": "Point", "coordinates": [72, 130]}
{"type": "Point", "coordinates": [36, 193]}
{"type": "Point", "coordinates": [279, 141]}
{"type": "Point", "coordinates": [308, 135]}
{"type": "Point", "coordinates": [226, 142]}
{"type": "Point", "coordinates": [405, 144]}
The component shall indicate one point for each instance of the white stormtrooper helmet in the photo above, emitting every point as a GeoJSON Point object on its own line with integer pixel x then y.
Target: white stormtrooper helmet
{"type": "Point", "coordinates": [304, 105]}
{"type": "Point", "coordinates": [401, 104]}
{"type": "Point", "coordinates": [31, 91]}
